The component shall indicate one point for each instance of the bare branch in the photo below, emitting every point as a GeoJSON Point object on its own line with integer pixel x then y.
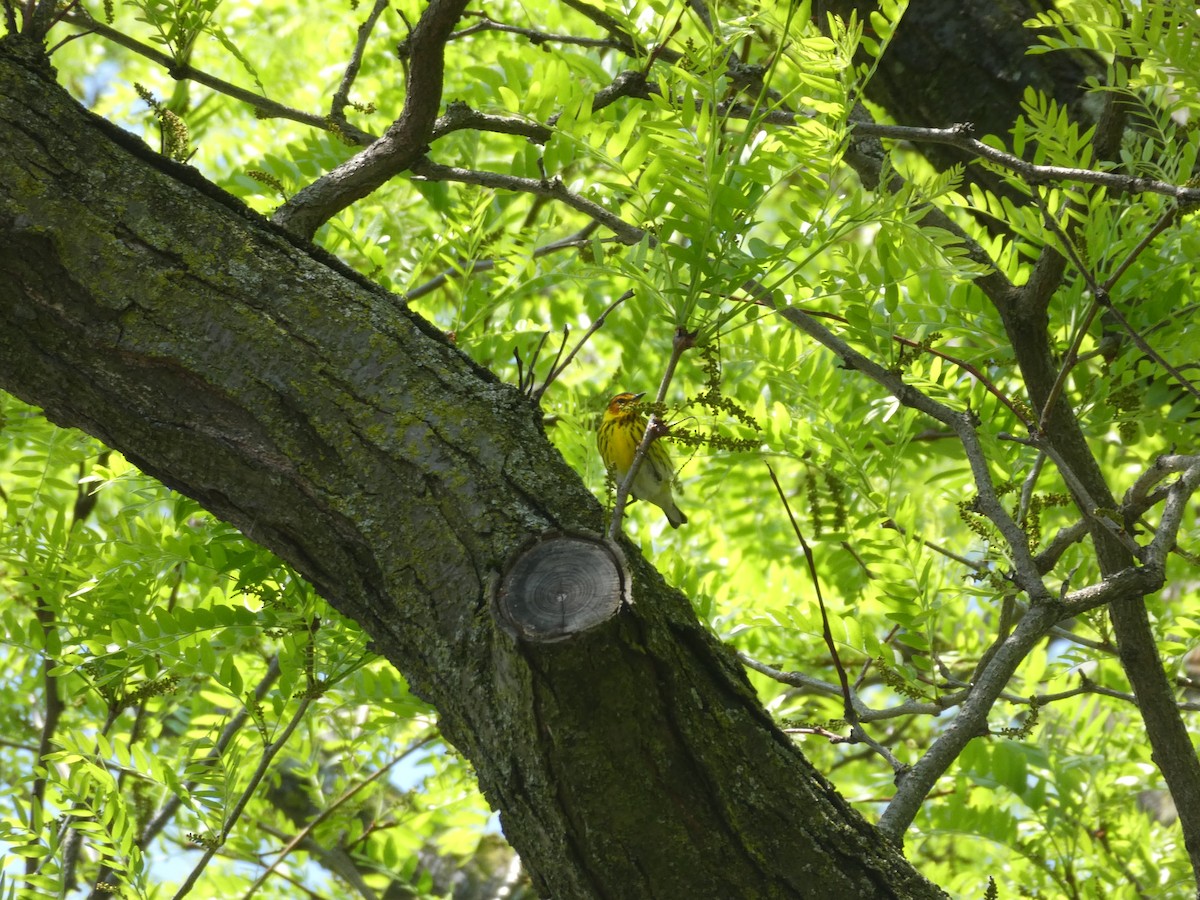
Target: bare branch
{"type": "Point", "coordinates": [857, 733]}
{"type": "Point", "coordinates": [554, 189]}
{"type": "Point", "coordinates": [1178, 496]}
{"type": "Point", "coordinates": [331, 808]}
{"type": "Point", "coordinates": [972, 370]}
{"type": "Point", "coordinates": [1127, 585]}
{"type": "Point", "coordinates": [263, 106]}
{"type": "Point", "coordinates": [405, 140]}
{"type": "Point", "coordinates": [1145, 347]}
{"type": "Point", "coordinates": [557, 369]}
{"type": "Point", "coordinates": [537, 38]}
{"type": "Point", "coordinates": [239, 806]}
{"type": "Point", "coordinates": [1169, 218]}
{"type": "Point", "coordinates": [933, 707]}
{"type": "Point", "coordinates": [228, 733]}
{"type": "Point", "coordinates": [975, 566]}
{"type": "Point", "coordinates": [960, 136]}
{"type": "Point", "coordinates": [970, 722]}
{"type": "Point", "coordinates": [1062, 540]}
{"type": "Point", "coordinates": [459, 115]}
{"type": "Point", "coordinates": [341, 97]}
{"type": "Point", "coordinates": [1091, 510]}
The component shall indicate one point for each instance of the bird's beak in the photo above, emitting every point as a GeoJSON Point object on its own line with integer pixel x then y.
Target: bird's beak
{"type": "Point", "coordinates": [639, 396]}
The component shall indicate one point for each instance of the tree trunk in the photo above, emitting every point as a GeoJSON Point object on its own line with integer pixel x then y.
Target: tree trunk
{"type": "Point", "coordinates": [309, 408]}
{"type": "Point", "coordinates": [959, 62]}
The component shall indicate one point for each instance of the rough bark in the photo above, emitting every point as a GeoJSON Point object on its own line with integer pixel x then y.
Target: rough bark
{"type": "Point", "coordinates": [304, 405]}
{"type": "Point", "coordinates": [955, 62]}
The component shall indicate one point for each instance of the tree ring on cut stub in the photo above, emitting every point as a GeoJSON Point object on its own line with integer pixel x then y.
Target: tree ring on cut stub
{"type": "Point", "coordinates": [562, 585]}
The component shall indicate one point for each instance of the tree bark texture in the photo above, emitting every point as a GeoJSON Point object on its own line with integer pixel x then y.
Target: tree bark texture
{"type": "Point", "coordinates": [303, 404]}
{"type": "Point", "coordinates": [956, 62]}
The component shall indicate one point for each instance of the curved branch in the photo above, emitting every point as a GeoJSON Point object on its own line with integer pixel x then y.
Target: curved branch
{"type": "Point", "coordinates": [970, 722]}
{"type": "Point", "coordinates": [459, 115]}
{"type": "Point", "coordinates": [405, 140]}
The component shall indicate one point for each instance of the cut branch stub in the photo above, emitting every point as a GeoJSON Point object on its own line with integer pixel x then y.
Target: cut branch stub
{"type": "Point", "coordinates": [561, 586]}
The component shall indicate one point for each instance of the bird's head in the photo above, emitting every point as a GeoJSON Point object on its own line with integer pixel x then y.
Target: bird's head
{"type": "Point", "coordinates": [624, 404]}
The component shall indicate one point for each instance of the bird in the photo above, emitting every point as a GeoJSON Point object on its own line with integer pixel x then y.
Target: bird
{"type": "Point", "coordinates": [620, 432]}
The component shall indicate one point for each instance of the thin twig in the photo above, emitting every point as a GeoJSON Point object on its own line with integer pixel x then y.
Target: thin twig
{"type": "Point", "coordinates": [553, 188]}
{"type": "Point", "coordinates": [970, 369]}
{"type": "Point", "coordinates": [264, 765]}
{"type": "Point", "coordinates": [1028, 485]}
{"type": "Point", "coordinates": [325, 813]}
{"type": "Point", "coordinates": [1086, 505]}
{"type": "Point", "coordinates": [862, 674]}
{"type": "Point", "coordinates": [557, 369]}
{"type": "Point", "coordinates": [1081, 329]}
{"type": "Point", "coordinates": [1167, 219]}
{"type": "Point", "coordinates": [933, 707]}
{"type": "Point", "coordinates": [661, 47]}
{"type": "Point", "coordinates": [1145, 347]}
{"type": "Point", "coordinates": [228, 733]}
{"type": "Point", "coordinates": [566, 333]}
{"type": "Point", "coordinates": [626, 42]}
{"type": "Point", "coordinates": [573, 242]}
{"type": "Point", "coordinates": [263, 106]}
{"type": "Point", "coordinates": [1101, 297]}
{"type": "Point", "coordinates": [522, 386]}
{"type": "Point", "coordinates": [848, 706]}
{"type": "Point", "coordinates": [857, 732]}
{"type": "Point", "coordinates": [341, 97]}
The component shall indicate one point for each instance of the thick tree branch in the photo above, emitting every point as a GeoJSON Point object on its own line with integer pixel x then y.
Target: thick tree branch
{"type": "Point", "coordinates": [626, 42]}
{"type": "Point", "coordinates": [1129, 586]}
{"type": "Point", "coordinates": [1024, 314]}
{"type": "Point", "coordinates": [404, 142]}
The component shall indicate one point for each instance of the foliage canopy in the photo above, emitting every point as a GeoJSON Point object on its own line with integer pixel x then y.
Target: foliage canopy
{"type": "Point", "coordinates": [158, 665]}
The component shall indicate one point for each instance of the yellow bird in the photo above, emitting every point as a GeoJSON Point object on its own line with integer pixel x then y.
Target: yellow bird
{"type": "Point", "coordinates": [620, 432]}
